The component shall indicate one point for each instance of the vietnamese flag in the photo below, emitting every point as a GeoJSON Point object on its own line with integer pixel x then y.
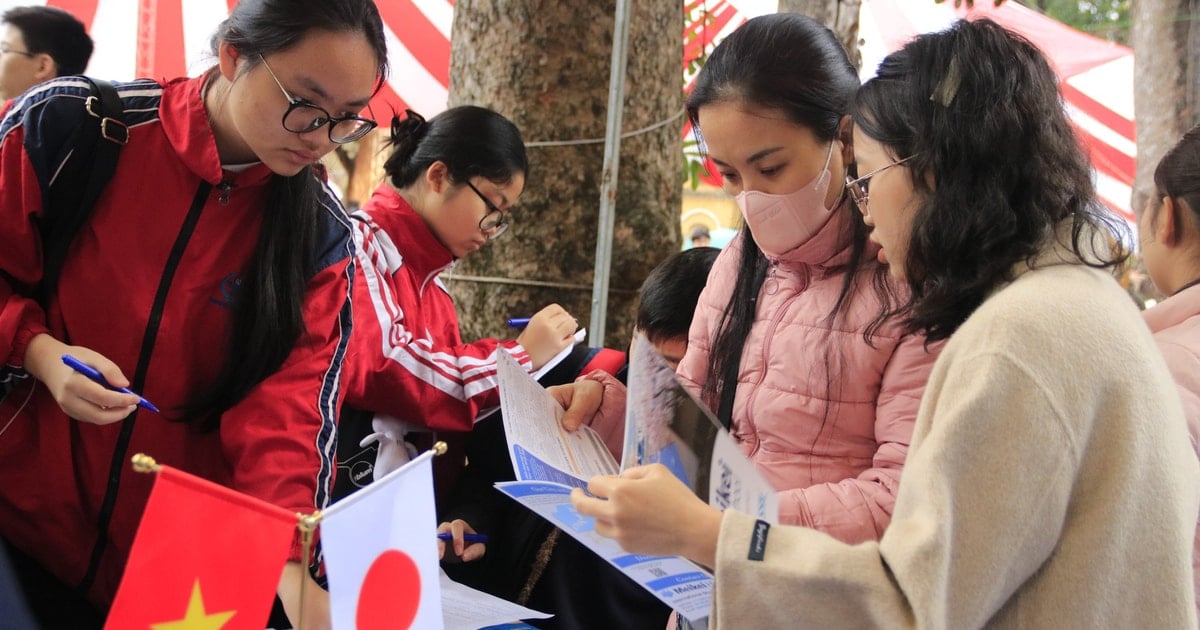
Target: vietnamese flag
{"type": "Point", "coordinates": [204, 556]}
{"type": "Point", "coordinates": [380, 549]}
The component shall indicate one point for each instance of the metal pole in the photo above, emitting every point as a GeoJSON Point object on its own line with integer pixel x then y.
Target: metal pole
{"type": "Point", "coordinates": [608, 181]}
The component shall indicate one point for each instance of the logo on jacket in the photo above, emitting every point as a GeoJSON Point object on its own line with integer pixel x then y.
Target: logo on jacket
{"type": "Point", "coordinates": [230, 286]}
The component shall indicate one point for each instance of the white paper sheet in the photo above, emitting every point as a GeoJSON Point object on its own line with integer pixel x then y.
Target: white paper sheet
{"type": "Point", "coordinates": [464, 608]}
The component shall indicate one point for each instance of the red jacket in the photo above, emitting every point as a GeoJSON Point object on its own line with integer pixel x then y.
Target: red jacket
{"type": "Point", "coordinates": [407, 359]}
{"type": "Point", "coordinates": [276, 444]}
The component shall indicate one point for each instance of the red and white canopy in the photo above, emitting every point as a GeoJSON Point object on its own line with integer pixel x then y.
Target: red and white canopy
{"type": "Point", "coordinates": [1096, 76]}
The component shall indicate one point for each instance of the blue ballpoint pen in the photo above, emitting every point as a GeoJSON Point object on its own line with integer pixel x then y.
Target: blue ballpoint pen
{"type": "Point", "coordinates": [92, 374]}
{"type": "Point", "coordinates": [518, 322]}
{"type": "Point", "coordinates": [471, 538]}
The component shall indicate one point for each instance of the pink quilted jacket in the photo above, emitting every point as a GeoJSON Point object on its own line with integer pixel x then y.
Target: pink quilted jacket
{"type": "Point", "coordinates": [832, 445]}
{"type": "Point", "coordinates": [1176, 327]}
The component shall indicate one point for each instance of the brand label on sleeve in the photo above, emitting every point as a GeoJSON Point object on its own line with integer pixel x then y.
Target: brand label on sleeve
{"type": "Point", "coordinates": [758, 541]}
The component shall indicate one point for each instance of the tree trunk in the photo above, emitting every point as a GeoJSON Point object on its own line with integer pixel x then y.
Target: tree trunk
{"type": "Point", "coordinates": [841, 16]}
{"type": "Point", "coordinates": [1166, 44]}
{"type": "Point", "coordinates": [545, 65]}
{"type": "Point", "coordinates": [367, 166]}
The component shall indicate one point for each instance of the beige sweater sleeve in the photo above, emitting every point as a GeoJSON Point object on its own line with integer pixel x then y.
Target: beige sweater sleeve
{"type": "Point", "coordinates": [983, 499]}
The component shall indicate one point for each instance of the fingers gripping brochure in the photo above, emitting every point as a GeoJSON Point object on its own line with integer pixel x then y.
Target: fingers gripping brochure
{"type": "Point", "coordinates": [663, 424]}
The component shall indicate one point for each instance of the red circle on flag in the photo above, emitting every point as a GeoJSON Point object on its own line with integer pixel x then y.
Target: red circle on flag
{"type": "Point", "coordinates": [390, 594]}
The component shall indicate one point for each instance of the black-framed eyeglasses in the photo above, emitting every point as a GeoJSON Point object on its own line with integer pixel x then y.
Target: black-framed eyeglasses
{"type": "Point", "coordinates": [4, 50]}
{"type": "Point", "coordinates": [858, 187]}
{"type": "Point", "coordinates": [304, 117]}
{"type": "Point", "coordinates": [494, 223]}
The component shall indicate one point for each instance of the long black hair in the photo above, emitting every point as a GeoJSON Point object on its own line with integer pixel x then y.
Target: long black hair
{"type": "Point", "coordinates": [977, 110]}
{"type": "Point", "coordinates": [268, 318]}
{"type": "Point", "coordinates": [471, 141]}
{"type": "Point", "coordinates": [790, 63]}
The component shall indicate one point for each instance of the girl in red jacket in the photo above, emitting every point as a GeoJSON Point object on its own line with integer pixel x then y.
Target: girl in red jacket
{"type": "Point", "coordinates": [452, 183]}
{"type": "Point", "coordinates": [212, 276]}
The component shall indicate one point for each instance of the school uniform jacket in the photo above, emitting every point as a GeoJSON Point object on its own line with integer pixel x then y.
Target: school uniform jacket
{"type": "Point", "coordinates": [407, 359]}
{"type": "Point", "coordinates": [153, 274]}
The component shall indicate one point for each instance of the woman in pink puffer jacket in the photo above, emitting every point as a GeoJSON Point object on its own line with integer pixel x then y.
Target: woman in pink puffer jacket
{"type": "Point", "coordinates": [796, 343]}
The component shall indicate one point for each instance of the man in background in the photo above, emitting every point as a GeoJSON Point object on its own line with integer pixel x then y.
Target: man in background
{"type": "Point", "coordinates": [39, 44]}
{"type": "Point", "coordinates": [700, 237]}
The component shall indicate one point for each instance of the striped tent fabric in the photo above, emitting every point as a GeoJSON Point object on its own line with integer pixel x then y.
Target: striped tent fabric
{"type": "Point", "coordinates": [1096, 76]}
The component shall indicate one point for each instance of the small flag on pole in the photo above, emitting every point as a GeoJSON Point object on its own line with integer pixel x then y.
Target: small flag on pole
{"type": "Point", "coordinates": [204, 556]}
{"type": "Point", "coordinates": [381, 553]}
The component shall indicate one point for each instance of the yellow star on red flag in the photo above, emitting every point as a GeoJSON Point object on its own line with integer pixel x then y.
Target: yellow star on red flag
{"type": "Point", "coordinates": [196, 618]}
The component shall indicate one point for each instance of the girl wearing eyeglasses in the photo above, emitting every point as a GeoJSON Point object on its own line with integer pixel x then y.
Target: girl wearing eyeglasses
{"type": "Point", "coordinates": [451, 184]}
{"type": "Point", "coordinates": [212, 277]}
{"type": "Point", "coordinates": [1050, 482]}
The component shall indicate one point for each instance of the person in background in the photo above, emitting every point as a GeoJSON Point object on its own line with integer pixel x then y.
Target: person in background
{"type": "Point", "coordinates": [527, 559]}
{"type": "Point", "coordinates": [700, 237]}
{"type": "Point", "coordinates": [1169, 235]}
{"type": "Point", "coordinates": [452, 183]}
{"type": "Point", "coordinates": [1050, 483]}
{"type": "Point", "coordinates": [214, 271]}
{"type": "Point", "coordinates": [40, 43]}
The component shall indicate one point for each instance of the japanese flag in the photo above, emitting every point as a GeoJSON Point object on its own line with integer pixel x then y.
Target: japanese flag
{"type": "Point", "coordinates": [381, 553]}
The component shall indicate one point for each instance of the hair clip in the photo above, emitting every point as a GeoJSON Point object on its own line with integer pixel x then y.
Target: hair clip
{"type": "Point", "coordinates": [946, 89]}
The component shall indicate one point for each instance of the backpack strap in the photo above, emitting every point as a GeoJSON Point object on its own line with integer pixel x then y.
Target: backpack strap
{"type": "Point", "coordinates": [96, 145]}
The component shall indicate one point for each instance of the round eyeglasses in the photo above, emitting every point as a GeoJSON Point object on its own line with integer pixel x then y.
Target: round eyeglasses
{"type": "Point", "coordinates": [858, 187]}
{"type": "Point", "coordinates": [304, 117]}
{"type": "Point", "coordinates": [494, 223]}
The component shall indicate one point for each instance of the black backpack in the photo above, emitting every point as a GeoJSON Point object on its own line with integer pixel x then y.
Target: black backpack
{"type": "Point", "coordinates": [95, 146]}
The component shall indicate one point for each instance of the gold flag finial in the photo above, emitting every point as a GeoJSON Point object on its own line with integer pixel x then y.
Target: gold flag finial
{"type": "Point", "coordinates": [309, 522]}
{"type": "Point", "coordinates": [143, 463]}
{"type": "Point", "coordinates": [439, 448]}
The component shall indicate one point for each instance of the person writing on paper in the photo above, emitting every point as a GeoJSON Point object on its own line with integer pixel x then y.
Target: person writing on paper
{"type": "Point", "coordinates": [1050, 483]}
{"type": "Point", "coordinates": [794, 345]}
{"type": "Point", "coordinates": [1169, 234]}
{"type": "Point", "coordinates": [452, 182]}
{"type": "Point", "coordinates": [212, 277]}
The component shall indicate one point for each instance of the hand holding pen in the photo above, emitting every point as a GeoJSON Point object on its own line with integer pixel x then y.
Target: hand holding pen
{"type": "Point", "coordinates": [547, 333]}
{"type": "Point", "coordinates": [88, 403]}
{"type": "Point", "coordinates": [79, 396]}
{"type": "Point", "coordinates": [465, 544]}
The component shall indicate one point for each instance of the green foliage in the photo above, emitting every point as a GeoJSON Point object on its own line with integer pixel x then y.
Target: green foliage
{"type": "Point", "coordinates": [1108, 19]}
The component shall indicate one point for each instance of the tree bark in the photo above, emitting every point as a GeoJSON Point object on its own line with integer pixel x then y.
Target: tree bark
{"type": "Point", "coordinates": [545, 65]}
{"type": "Point", "coordinates": [1166, 43]}
{"type": "Point", "coordinates": [841, 16]}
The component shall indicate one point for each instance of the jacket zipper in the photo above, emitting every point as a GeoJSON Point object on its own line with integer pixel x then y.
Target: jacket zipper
{"type": "Point", "coordinates": [775, 320]}
{"type": "Point", "coordinates": [120, 457]}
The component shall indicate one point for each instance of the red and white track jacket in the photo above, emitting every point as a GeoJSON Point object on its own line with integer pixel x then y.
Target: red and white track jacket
{"type": "Point", "coordinates": [407, 359]}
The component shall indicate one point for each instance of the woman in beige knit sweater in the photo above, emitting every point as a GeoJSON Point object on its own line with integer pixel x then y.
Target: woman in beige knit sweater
{"type": "Point", "coordinates": [1050, 482]}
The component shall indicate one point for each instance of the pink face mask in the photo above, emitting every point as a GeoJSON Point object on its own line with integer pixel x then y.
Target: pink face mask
{"type": "Point", "coordinates": [781, 223]}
